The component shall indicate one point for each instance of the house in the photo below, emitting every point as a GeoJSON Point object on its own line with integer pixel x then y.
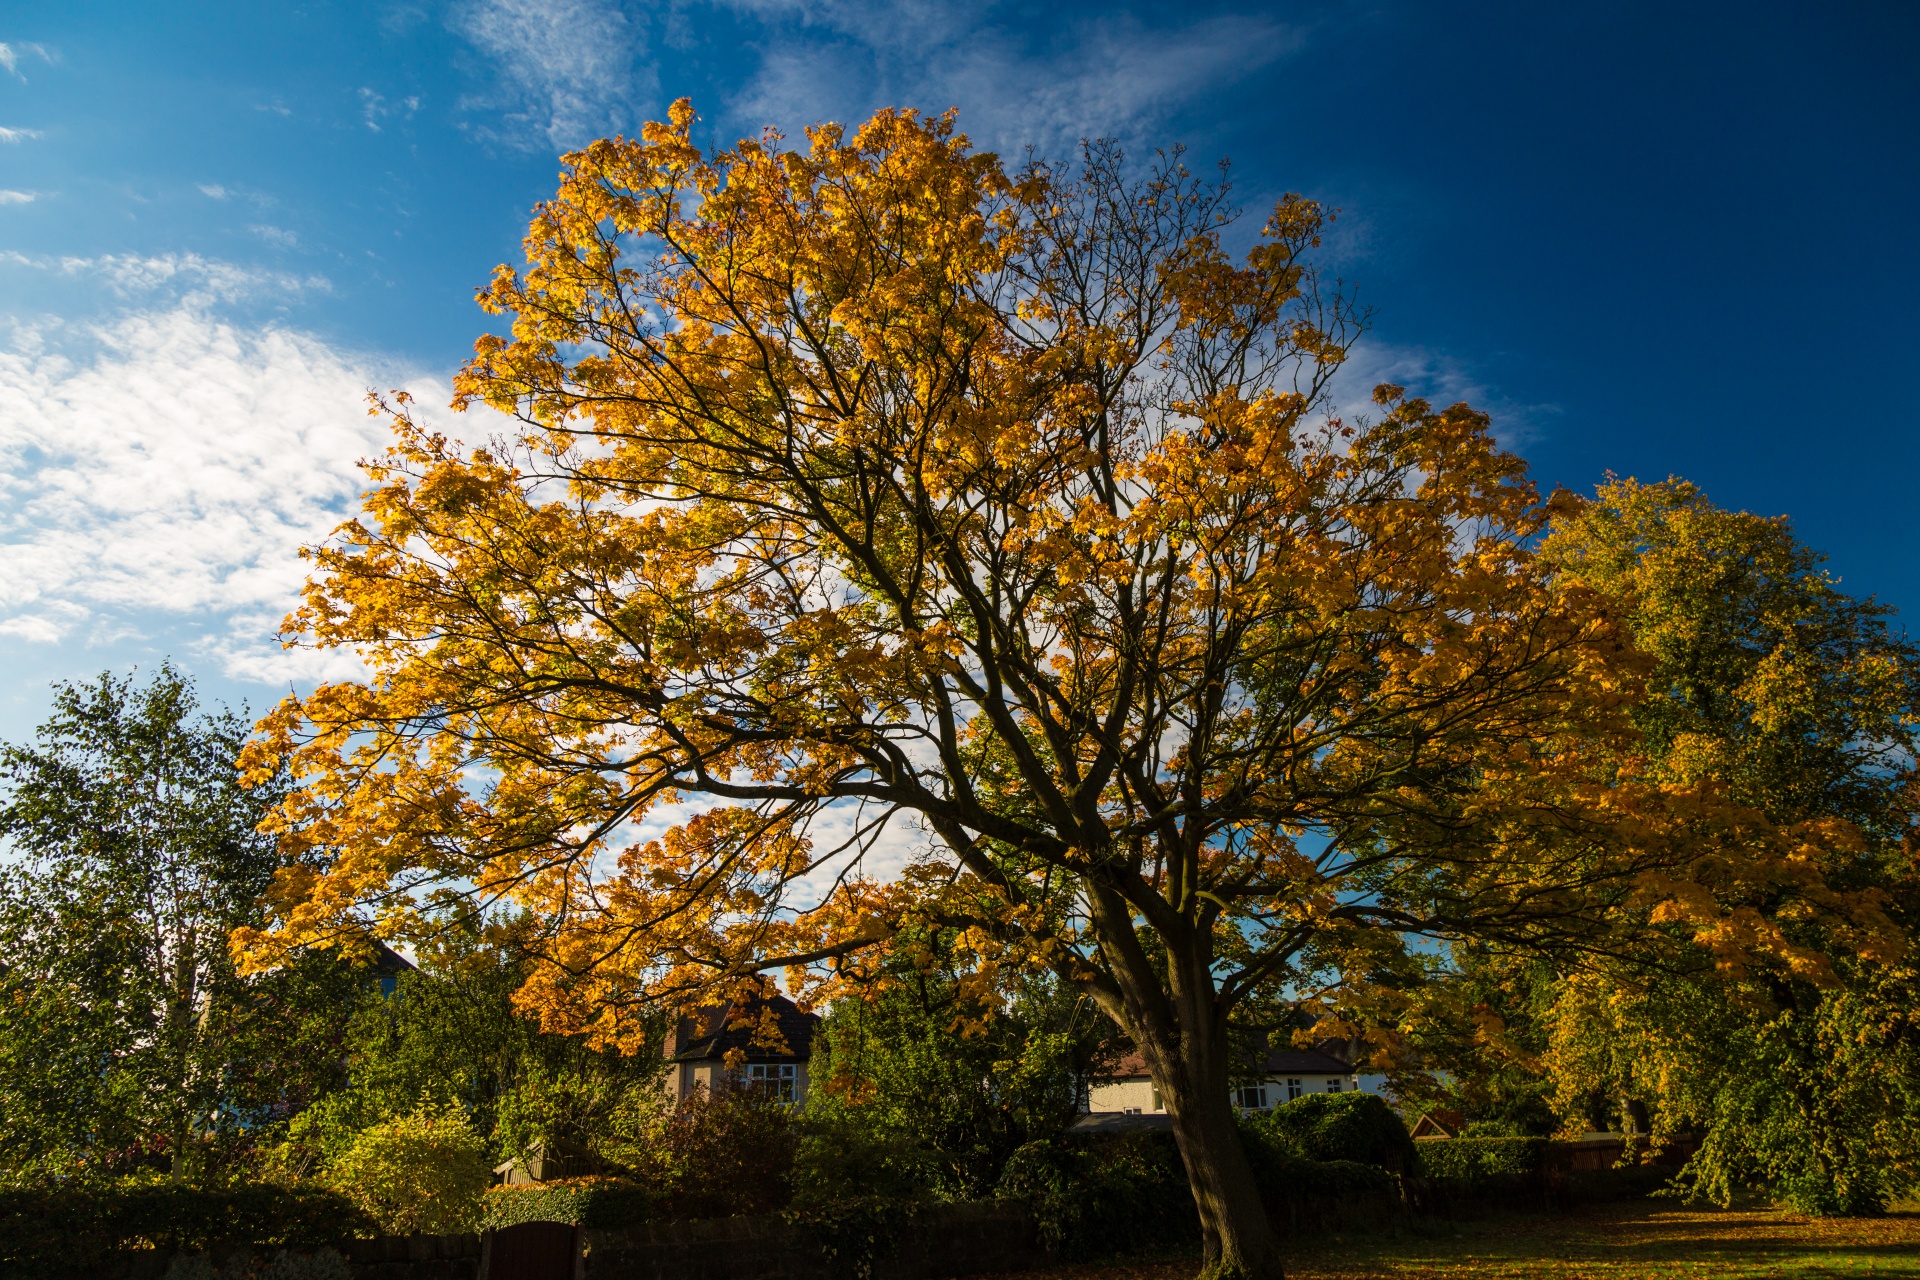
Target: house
{"type": "Point", "coordinates": [1288, 1074]}
{"type": "Point", "coordinates": [700, 1044]}
{"type": "Point", "coordinates": [388, 967]}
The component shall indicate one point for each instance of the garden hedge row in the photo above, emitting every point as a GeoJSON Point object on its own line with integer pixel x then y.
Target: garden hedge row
{"type": "Point", "coordinates": [66, 1230]}
{"type": "Point", "coordinates": [1469, 1161]}
{"type": "Point", "coordinates": [1094, 1197]}
{"type": "Point", "coordinates": [585, 1202]}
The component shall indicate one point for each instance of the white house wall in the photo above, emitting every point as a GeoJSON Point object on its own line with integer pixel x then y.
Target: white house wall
{"type": "Point", "coordinates": [1135, 1094]}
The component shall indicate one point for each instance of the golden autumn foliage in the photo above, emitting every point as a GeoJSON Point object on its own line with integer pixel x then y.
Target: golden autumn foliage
{"type": "Point", "coordinates": [870, 482]}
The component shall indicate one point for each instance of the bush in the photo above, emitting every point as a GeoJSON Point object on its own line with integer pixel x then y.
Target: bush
{"type": "Point", "coordinates": [326, 1264]}
{"type": "Point", "coordinates": [1096, 1196]}
{"type": "Point", "coordinates": [1477, 1160]}
{"type": "Point", "coordinates": [854, 1234]}
{"type": "Point", "coordinates": [1288, 1180]}
{"type": "Point", "coordinates": [839, 1159]}
{"type": "Point", "coordinates": [586, 1202]}
{"type": "Point", "coordinates": [724, 1154]}
{"type": "Point", "coordinates": [423, 1172]}
{"type": "Point", "coordinates": [67, 1230]}
{"type": "Point", "coordinates": [1359, 1127]}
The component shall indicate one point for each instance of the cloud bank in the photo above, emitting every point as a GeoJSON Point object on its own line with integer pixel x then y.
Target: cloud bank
{"type": "Point", "coordinates": [167, 464]}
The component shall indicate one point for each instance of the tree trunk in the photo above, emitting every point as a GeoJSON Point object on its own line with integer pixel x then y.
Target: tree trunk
{"type": "Point", "coordinates": [1236, 1235]}
{"type": "Point", "coordinates": [1188, 1062]}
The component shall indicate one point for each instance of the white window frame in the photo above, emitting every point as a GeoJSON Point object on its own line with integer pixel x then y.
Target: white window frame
{"type": "Point", "coordinates": [778, 1080]}
{"type": "Point", "coordinates": [1294, 1088]}
{"type": "Point", "coordinates": [1251, 1097]}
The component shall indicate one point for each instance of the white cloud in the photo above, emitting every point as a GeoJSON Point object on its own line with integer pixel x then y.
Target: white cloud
{"type": "Point", "coordinates": [572, 68]}
{"type": "Point", "coordinates": [10, 55]}
{"type": "Point", "coordinates": [17, 135]}
{"type": "Point", "coordinates": [213, 191]}
{"type": "Point", "coordinates": [195, 281]}
{"type": "Point", "coordinates": [168, 463]}
{"type": "Point", "coordinates": [1107, 76]}
{"type": "Point", "coordinates": [278, 237]}
{"type": "Point", "coordinates": [1433, 376]}
{"type": "Point", "coordinates": [16, 197]}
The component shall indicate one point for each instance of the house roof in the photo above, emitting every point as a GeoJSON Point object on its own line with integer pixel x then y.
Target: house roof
{"type": "Point", "coordinates": [715, 1031]}
{"type": "Point", "coordinates": [389, 963]}
{"type": "Point", "coordinates": [1439, 1123]}
{"type": "Point", "coordinates": [1280, 1062]}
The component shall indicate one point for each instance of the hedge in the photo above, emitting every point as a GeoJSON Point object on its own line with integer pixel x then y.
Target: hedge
{"type": "Point", "coordinates": [1339, 1126]}
{"type": "Point", "coordinates": [63, 1230]}
{"type": "Point", "coordinates": [585, 1202]}
{"type": "Point", "coordinates": [1091, 1197]}
{"type": "Point", "coordinates": [1094, 1197]}
{"type": "Point", "coordinates": [1475, 1160]}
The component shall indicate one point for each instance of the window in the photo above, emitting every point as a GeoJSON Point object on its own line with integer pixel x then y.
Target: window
{"type": "Point", "coordinates": [1294, 1088]}
{"type": "Point", "coordinates": [1156, 1099]}
{"type": "Point", "coordinates": [1333, 1085]}
{"type": "Point", "coordinates": [778, 1080]}
{"type": "Point", "coordinates": [1251, 1097]}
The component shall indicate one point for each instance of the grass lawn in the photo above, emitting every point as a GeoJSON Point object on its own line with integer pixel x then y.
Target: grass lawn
{"type": "Point", "coordinates": [1610, 1242]}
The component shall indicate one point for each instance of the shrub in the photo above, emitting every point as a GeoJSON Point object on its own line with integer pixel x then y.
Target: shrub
{"type": "Point", "coordinates": [724, 1154]}
{"type": "Point", "coordinates": [423, 1172]}
{"type": "Point", "coordinates": [839, 1159]}
{"type": "Point", "coordinates": [325, 1264]}
{"type": "Point", "coordinates": [1288, 1180]}
{"type": "Point", "coordinates": [586, 1202]}
{"type": "Point", "coordinates": [1340, 1126]}
{"type": "Point", "coordinates": [67, 1230]}
{"type": "Point", "coordinates": [1477, 1160]}
{"type": "Point", "coordinates": [1097, 1196]}
{"type": "Point", "coordinates": [854, 1234]}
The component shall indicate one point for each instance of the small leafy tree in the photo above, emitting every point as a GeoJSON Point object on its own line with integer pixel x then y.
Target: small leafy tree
{"type": "Point", "coordinates": [421, 1172]}
{"type": "Point", "coordinates": [961, 1073]}
{"type": "Point", "coordinates": [450, 1032]}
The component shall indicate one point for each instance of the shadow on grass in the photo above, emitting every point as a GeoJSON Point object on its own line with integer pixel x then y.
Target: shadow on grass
{"type": "Point", "coordinates": [1609, 1242]}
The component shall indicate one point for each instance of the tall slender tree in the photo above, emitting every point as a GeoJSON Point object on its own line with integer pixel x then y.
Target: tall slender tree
{"type": "Point", "coordinates": [135, 855]}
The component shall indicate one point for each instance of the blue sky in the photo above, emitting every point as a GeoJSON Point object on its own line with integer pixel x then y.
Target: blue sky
{"type": "Point", "coordinates": [1652, 239]}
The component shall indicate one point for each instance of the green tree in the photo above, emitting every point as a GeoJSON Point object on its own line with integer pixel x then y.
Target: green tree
{"type": "Point", "coordinates": [953, 1076]}
{"type": "Point", "coordinates": [420, 1172]}
{"type": "Point", "coordinates": [1803, 703]}
{"type": "Point", "coordinates": [451, 1035]}
{"type": "Point", "coordinates": [124, 1030]}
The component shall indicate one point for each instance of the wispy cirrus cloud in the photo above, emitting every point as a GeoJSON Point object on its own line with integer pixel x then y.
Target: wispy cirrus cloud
{"type": "Point", "coordinates": [1014, 82]}
{"type": "Point", "coordinates": [186, 278]}
{"type": "Point", "coordinates": [10, 196]}
{"type": "Point", "coordinates": [18, 135]}
{"type": "Point", "coordinates": [570, 70]}
{"type": "Point", "coordinates": [1436, 376]}
{"type": "Point", "coordinates": [11, 55]}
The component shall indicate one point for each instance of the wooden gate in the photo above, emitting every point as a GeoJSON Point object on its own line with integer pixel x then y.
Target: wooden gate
{"type": "Point", "coordinates": [532, 1251]}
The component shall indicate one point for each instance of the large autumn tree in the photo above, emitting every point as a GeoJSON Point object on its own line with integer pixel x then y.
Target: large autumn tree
{"type": "Point", "coordinates": [869, 486]}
